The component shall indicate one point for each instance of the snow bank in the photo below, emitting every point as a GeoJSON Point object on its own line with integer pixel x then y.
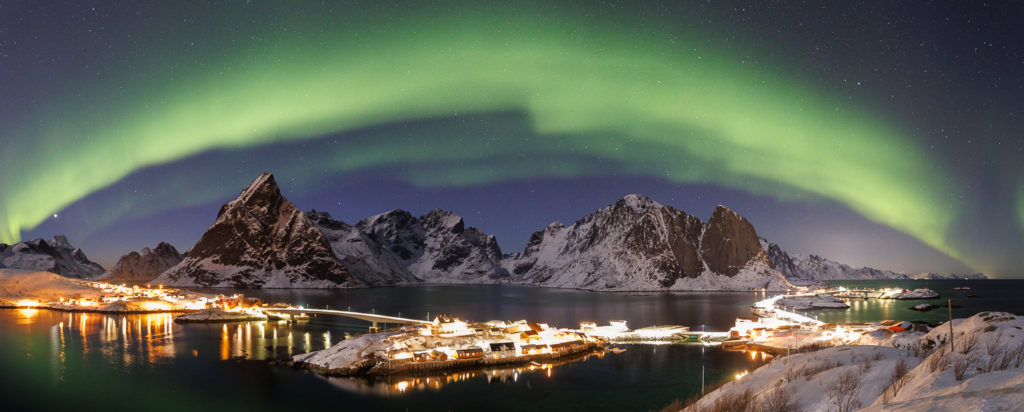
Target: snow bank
{"type": "Point", "coordinates": [346, 357]}
{"type": "Point", "coordinates": [807, 377]}
{"type": "Point", "coordinates": [985, 371]}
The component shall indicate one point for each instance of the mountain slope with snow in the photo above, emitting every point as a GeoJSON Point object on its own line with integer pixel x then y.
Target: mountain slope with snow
{"type": "Point", "coordinates": [437, 247]}
{"type": "Point", "coordinates": [56, 256]}
{"type": "Point", "coordinates": [366, 258]}
{"type": "Point", "coordinates": [984, 371]}
{"type": "Point", "coordinates": [801, 269]}
{"type": "Point", "coordinates": [260, 239]}
{"type": "Point", "coordinates": [639, 244]}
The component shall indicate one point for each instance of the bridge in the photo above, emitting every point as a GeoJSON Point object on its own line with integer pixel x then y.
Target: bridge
{"type": "Point", "coordinates": [369, 317]}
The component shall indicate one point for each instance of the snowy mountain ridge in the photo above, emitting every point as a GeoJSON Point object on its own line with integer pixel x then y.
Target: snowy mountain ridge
{"type": "Point", "coordinates": [56, 256]}
{"type": "Point", "coordinates": [260, 239]}
{"type": "Point", "coordinates": [639, 244]}
{"type": "Point", "coordinates": [434, 248]}
{"type": "Point", "coordinates": [809, 269]}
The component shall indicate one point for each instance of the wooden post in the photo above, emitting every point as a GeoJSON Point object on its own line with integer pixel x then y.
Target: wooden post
{"type": "Point", "coordinates": [949, 303]}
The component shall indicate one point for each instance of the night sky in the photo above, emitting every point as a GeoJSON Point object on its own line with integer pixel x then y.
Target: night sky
{"type": "Point", "coordinates": [887, 134]}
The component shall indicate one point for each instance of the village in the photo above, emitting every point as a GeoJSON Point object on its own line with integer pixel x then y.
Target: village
{"type": "Point", "coordinates": [777, 327]}
{"type": "Point", "coordinates": [447, 342]}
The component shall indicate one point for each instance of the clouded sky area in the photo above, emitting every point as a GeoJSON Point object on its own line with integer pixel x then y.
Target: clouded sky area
{"type": "Point", "coordinates": [881, 134]}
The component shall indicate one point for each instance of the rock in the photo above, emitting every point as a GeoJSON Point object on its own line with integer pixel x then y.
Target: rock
{"type": "Point", "coordinates": [730, 243]}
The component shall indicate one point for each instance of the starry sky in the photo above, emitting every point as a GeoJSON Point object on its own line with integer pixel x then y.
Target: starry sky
{"type": "Point", "coordinates": [881, 134]}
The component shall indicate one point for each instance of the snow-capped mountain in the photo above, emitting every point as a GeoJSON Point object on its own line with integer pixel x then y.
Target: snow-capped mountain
{"type": "Point", "coordinates": [639, 244]}
{"type": "Point", "coordinates": [951, 276]}
{"type": "Point", "coordinates": [56, 255]}
{"type": "Point", "coordinates": [437, 247]}
{"type": "Point", "coordinates": [260, 239]}
{"type": "Point", "coordinates": [367, 260]}
{"type": "Point", "coordinates": [801, 269]}
{"type": "Point", "coordinates": [812, 268]}
{"type": "Point", "coordinates": [146, 265]}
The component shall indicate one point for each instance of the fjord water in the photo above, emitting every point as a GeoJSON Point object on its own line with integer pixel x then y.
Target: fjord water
{"type": "Point", "coordinates": [89, 361]}
{"type": "Point", "coordinates": [988, 295]}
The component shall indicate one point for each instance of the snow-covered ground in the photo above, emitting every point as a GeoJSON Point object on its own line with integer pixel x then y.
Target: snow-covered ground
{"type": "Point", "coordinates": [20, 284]}
{"type": "Point", "coordinates": [345, 357]}
{"type": "Point", "coordinates": [911, 372]}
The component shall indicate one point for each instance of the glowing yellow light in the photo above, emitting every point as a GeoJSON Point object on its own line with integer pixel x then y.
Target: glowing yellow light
{"type": "Point", "coordinates": [27, 303]}
{"type": "Point", "coordinates": [154, 306]}
{"type": "Point", "coordinates": [402, 386]}
{"type": "Point", "coordinates": [741, 374]}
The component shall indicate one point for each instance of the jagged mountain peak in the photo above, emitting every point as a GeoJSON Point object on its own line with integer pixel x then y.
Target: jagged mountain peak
{"type": "Point", "coordinates": [639, 244]}
{"type": "Point", "coordinates": [638, 203]}
{"type": "Point", "coordinates": [439, 218]}
{"type": "Point", "coordinates": [395, 217]}
{"type": "Point", "coordinates": [324, 220]}
{"type": "Point", "coordinates": [145, 265]}
{"type": "Point", "coordinates": [61, 242]}
{"type": "Point", "coordinates": [436, 247]}
{"type": "Point", "coordinates": [260, 239]}
{"type": "Point", "coordinates": [264, 186]}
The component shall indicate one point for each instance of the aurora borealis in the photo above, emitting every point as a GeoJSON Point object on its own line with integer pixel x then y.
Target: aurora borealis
{"type": "Point", "coordinates": [475, 97]}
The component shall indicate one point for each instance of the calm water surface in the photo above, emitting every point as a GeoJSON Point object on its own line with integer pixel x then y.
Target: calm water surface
{"type": "Point", "coordinates": [87, 361]}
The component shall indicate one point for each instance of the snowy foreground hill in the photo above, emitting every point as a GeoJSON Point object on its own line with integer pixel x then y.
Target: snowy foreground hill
{"type": "Point", "coordinates": [984, 371]}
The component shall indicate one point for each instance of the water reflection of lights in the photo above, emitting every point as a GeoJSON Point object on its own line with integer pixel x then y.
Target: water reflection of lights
{"type": "Point", "coordinates": [26, 316]}
{"type": "Point", "coordinates": [399, 386]}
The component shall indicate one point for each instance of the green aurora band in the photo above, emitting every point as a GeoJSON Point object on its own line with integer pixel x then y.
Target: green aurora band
{"type": "Point", "coordinates": [597, 92]}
